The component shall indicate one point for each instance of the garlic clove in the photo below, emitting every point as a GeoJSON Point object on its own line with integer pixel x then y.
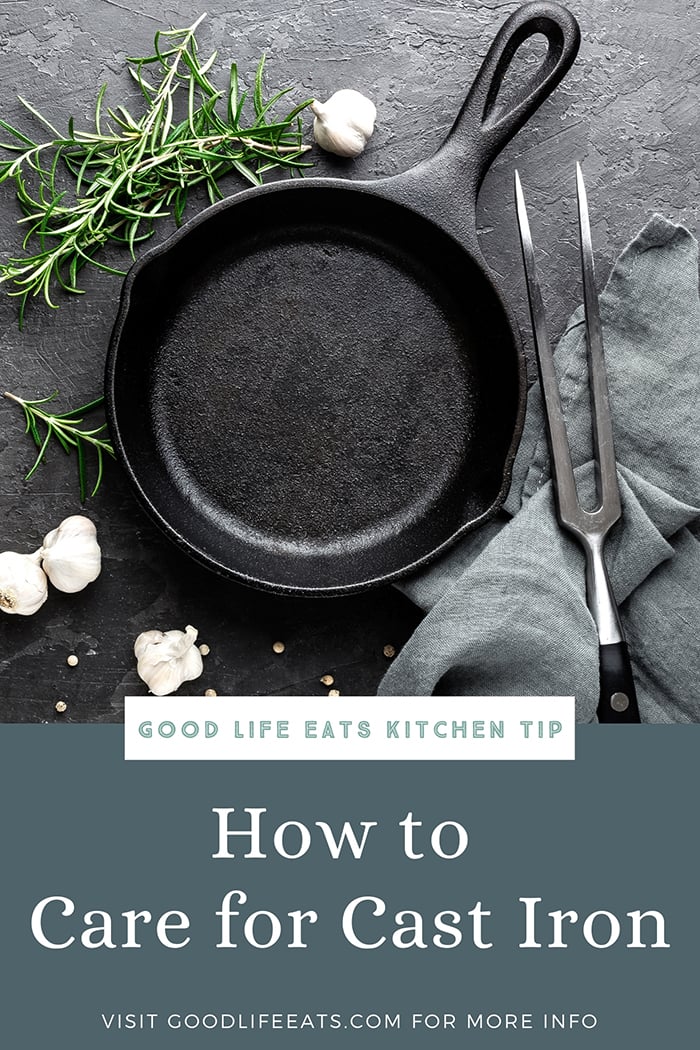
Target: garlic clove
{"type": "Point", "coordinates": [71, 554]}
{"type": "Point", "coordinates": [344, 124]}
{"type": "Point", "coordinates": [23, 584]}
{"type": "Point", "coordinates": [166, 659]}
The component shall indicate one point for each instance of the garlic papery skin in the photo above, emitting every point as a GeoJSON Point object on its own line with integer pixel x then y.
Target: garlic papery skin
{"type": "Point", "coordinates": [344, 123]}
{"type": "Point", "coordinates": [71, 554]}
{"type": "Point", "coordinates": [23, 584]}
{"type": "Point", "coordinates": [166, 659]}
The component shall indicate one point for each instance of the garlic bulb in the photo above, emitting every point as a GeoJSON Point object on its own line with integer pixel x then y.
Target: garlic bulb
{"type": "Point", "coordinates": [344, 123]}
{"type": "Point", "coordinates": [71, 554]}
{"type": "Point", "coordinates": [23, 586]}
{"type": "Point", "coordinates": [167, 659]}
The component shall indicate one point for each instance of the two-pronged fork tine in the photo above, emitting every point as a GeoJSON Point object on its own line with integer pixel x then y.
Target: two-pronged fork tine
{"type": "Point", "coordinates": [618, 701]}
{"type": "Point", "coordinates": [559, 443]}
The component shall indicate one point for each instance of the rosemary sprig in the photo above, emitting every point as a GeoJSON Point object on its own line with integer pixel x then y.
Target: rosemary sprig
{"type": "Point", "coordinates": [131, 171]}
{"type": "Point", "coordinates": [65, 427]}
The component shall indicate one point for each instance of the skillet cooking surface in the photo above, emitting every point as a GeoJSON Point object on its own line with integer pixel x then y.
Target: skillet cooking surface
{"type": "Point", "coordinates": [315, 389]}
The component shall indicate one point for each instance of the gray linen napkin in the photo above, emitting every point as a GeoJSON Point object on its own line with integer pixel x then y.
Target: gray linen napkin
{"type": "Point", "coordinates": [506, 611]}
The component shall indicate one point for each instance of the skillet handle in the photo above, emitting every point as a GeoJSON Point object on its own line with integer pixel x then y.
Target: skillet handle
{"type": "Point", "coordinates": [483, 127]}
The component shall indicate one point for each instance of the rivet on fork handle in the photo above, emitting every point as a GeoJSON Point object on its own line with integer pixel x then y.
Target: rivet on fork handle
{"type": "Point", "coordinates": [619, 702]}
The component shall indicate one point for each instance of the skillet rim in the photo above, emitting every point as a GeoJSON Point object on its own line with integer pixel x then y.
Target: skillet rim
{"type": "Point", "coordinates": [382, 188]}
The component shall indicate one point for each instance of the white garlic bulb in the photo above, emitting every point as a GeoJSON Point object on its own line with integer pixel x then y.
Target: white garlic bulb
{"type": "Point", "coordinates": [166, 659]}
{"type": "Point", "coordinates": [71, 554]}
{"type": "Point", "coordinates": [344, 123]}
{"type": "Point", "coordinates": [23, 586]}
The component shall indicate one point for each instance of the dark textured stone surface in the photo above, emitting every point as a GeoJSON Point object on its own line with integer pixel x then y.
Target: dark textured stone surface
{"type": "Point", "coordinates": [628, 110]}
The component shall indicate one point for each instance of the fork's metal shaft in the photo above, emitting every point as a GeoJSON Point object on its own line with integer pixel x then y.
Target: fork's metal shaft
{"type": "Point", "coordinates": [599, 593]}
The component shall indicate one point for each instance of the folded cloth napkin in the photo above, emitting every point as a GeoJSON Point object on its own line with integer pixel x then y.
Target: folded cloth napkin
{"type": "Point", "coordinates": [506, 609]}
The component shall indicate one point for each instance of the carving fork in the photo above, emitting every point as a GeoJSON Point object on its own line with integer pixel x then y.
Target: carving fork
{"type": "Point", "coordinates": [618, 701]}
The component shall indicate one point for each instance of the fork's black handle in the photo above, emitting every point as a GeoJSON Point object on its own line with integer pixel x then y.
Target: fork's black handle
{"type": "Point", "coordinates": [618, 699]}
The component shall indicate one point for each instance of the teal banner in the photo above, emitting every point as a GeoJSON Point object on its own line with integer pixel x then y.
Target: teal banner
{"type": "Point", "coordinates": [318, 904]}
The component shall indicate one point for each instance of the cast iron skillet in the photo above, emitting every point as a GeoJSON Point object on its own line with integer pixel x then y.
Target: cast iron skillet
{"type": "Point", "coordinates": [315, 386]}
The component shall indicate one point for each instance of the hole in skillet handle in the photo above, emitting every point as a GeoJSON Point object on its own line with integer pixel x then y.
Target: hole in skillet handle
{"type": "Point", "coordinates": [483, 127]}
{"type": "Point", "coordinates": [523, 68]}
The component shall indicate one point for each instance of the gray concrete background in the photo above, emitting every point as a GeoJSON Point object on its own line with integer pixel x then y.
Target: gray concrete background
{"type": "Point", "coordinates": [628, 110]}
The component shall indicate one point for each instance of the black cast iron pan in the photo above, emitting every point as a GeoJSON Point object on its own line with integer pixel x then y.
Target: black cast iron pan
{"type": "Point", "coordinates": [315, 386]}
